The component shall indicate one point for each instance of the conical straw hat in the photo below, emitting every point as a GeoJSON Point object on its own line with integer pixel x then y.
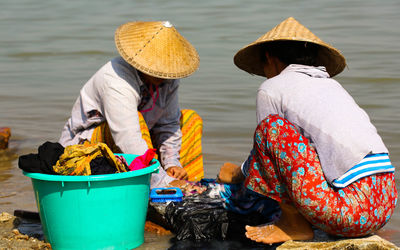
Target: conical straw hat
{"type": "Point", "coordinates": [157, 49]}
{"type": "Point", "coordinates": [248, 58]}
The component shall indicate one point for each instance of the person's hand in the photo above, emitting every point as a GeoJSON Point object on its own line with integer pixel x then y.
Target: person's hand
{"type": "Point", "coordinates": [178, 183]}
{"type": "Point", "coordinates": [178, 173]}
{"type": "Point", "coordinates": [187, 187]}
{"type": "Point", "coordinates": [230, 173]}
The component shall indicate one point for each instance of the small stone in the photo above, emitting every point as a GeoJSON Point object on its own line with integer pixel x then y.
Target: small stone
{"type": "Point", "coordinates": [154, 228]}
{"type": "Point", "coordinates": [15, 231]}
{"type": "Point", "coordinates": [5, 217]}
{"type": "Point", "coordinates": [5, 134]}
{"type": "Point", "coordinates": [22, 237]}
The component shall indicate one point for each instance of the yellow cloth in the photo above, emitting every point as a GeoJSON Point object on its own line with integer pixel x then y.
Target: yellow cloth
{"type": "Point", "coordinates": [76, 159]}
{"type": "Point", "coordinates": [102, 133]}
{"type": "Point", "coordinates": [191, 153]}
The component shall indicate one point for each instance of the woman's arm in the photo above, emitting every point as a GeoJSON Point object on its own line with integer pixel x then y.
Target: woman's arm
{"type": "Point", "coordinates": [120, 101]}
{"type": "Point", "coordinates": [166, 133]}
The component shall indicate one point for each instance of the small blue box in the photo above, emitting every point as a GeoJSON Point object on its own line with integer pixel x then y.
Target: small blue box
{"type": "Point", "coordinates": [166, 194]}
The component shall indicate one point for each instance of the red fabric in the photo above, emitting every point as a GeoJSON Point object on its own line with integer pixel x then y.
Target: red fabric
{"type": "Point", "coordinates": [285, 167]}
{"type": "Point", "coordinates": [143, 160]}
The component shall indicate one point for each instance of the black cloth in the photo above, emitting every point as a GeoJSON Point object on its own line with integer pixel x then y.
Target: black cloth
{"type": "Point", "coordinates": [100, 165]}
{"type": "Point", "coordinates": [201, 218]}
{"type": "Point", "coordinates": [198, 218]}
{"type": "Point", "coordinates": [43, 162]}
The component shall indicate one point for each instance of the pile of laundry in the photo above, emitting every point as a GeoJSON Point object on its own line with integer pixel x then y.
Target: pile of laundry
{"type": "Point", "coordinates": [82, 159]}
{"type": "Point", "coordinates": [220, 212]}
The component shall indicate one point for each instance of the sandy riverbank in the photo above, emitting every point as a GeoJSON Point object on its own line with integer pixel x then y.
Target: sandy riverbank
{"type": "Point", "coordinates": [156, 238]}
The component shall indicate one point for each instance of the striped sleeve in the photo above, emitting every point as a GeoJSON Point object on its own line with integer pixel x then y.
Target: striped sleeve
{"type": "Point", "coordinates": [370, 165]}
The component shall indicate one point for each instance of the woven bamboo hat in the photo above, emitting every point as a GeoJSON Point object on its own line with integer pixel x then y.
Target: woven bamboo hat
{"type": "Point", "coordinates": [157, 49]}
{"type": "Point", "coordinates": [248, 58]}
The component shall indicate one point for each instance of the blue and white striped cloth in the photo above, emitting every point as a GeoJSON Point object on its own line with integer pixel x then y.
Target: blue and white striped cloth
{"type": "Point", "coordinates": [371, 164]}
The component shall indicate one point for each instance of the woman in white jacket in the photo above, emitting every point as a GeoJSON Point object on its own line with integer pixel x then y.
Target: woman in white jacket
{"type": "Point", "coordinates": [131, 103]}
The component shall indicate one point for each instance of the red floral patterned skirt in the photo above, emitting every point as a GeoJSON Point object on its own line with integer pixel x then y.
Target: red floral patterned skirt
{"type": "Point", "coordinates": [285, 167]}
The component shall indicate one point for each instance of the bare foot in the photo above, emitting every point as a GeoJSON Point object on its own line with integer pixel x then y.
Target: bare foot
{"type": "Point", "coordinates": [291, 226]}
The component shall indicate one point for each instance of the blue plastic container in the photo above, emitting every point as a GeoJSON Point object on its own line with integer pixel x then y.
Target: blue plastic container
{"type": "Point", "coordinates": [166, 194]}
{"type": "Point", "coordinates": [94, 212]}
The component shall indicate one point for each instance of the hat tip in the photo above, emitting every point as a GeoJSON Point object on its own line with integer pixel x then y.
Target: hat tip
{"type": "Point", "coordinates": [291, 19]}
{"type": "Point", "coordinates": [167, 24]}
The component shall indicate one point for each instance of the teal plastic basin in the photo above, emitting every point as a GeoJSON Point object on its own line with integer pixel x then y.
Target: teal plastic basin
{"type": "Point", "coordinates": [94, 212]}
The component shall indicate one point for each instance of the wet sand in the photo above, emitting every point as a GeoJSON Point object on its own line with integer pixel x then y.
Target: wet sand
{"type": "Point", "coordinates": [22, 233]}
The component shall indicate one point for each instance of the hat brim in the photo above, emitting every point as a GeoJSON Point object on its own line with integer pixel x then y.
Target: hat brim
{"type": "Point", "coordinates": [250, 58]}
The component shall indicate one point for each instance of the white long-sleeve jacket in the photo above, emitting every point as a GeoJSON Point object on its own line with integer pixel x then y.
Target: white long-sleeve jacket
{"type": "Point", "coordinates": [115, 92]}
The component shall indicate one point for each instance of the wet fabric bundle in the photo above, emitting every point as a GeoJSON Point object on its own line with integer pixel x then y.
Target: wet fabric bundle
{"type": "Point", "coordinates": [76, 159]}
{"type": "Point", "coordinates": [82, 159]}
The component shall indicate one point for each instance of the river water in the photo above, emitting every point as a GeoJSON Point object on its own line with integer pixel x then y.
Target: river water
{"type": "Point", "coordinates": [49, 49]}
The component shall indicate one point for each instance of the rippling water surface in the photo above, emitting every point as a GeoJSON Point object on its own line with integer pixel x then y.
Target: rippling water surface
{"type": "Point", "coordinates": [49, 49]}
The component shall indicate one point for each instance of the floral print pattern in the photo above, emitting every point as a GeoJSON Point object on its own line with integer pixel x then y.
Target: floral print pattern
{"type": "Point", "coordinates": [285, 167]}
